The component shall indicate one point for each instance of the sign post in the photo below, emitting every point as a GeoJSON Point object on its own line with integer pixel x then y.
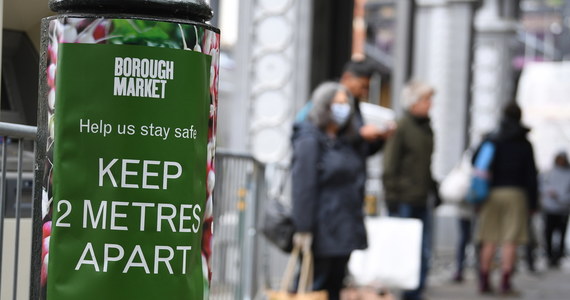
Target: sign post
{"type": "Point", "coordinates": [126, 151]}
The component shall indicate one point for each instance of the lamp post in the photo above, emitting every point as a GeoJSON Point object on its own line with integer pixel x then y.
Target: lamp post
{"type": "Point", "coordinates": [126, 142]}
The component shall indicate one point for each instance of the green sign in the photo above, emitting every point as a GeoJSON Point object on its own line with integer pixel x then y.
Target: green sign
{"type": "Point", "coordinates": [129, 174]}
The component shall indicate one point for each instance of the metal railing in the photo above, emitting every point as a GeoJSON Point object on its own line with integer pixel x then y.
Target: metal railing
{"type": "Point", "coordinates": [240, 184]}
{"type": "Point", "coordinates": [16, 183]}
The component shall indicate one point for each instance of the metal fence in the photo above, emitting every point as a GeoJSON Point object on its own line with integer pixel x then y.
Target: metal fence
{"type": "Point", "coordinates": [244, 263]}
{"type": "Point", "coordinates": [239, 184]}
{"type": "Point", "coordinates": [15, 209]}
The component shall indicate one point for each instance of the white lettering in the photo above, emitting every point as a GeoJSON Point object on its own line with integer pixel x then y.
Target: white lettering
{"type": "Point", "coordinates": [184, 217]}
{"type": "Point", "coordinates": [147, 173]}
{"type": "Point", "coordinates": [120, 86]}
{"type": "Point", "coordinates": [118, 66]}
{"type": "Point", "coordinates": [167, 175]}
{"type": "Point", "coordinates": [144, 68]}
{"type": "Point", "coordinates": [101, 214]}
{"type": "Point", "coordinates": [165, 260]}
{"type": "Point", "coordinates": [197, 211]}
{"type": "Point", "coordinates": [107, 257]}
{"type": "Point", "coordinates": [184, 249]}
{"type": "Point", "coordinates": [106, 170]}
{"type": "Point", "coordinates": [131, 264]}
{"type": "Point", "coordinates": [115, 215]}
{"type": "Point", "coordinates": [143, 207]}
{"type": "Point", "coordinates": [127, 66]}
{"type": "Point", "coordinates": [83, 261]}
{"type": "Point", "coordinates": [126, 173]}
{"type": "Point", "coordinates": [81, 125]}
{"type": "Point", "coordinates": [169, 218]}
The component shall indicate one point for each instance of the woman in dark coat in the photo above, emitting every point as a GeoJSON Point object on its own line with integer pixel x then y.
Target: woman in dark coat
{"type": "Point", "coordinates": [503, 217]}
{"type": "Point", "coordinates": [327, 206]}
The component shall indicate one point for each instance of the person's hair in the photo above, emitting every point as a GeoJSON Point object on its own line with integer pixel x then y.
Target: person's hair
{"type": "Point", "coordinates": [561, 155]}
{"type": "Point", "coordinates": [359, 68]}
{"type": "Point", "coordinates": [512, 111]}
{"type": "Point", "coordinates": [413, 92]}
{"type": "Point", "coordinates": [322, 97]}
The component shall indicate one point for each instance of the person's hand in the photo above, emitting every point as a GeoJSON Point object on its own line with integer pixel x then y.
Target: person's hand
{"type": "Point", "coordinates": [372, 133]}
{"type": "Point", "coordinates": [369, 132]}
{"type": "Point", "coordinates": [303, 240]}
{"type": "Point", "coordinates": [389, 130]}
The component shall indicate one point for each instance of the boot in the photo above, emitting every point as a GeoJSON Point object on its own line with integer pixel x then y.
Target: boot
{"type": "Point", "coordinates": [506, 287]}
{"type": "Point", "coordinates": [484, 285]}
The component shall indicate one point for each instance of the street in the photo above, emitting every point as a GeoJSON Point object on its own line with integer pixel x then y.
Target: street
{"type": "Point", "coordinates": [544, 285]}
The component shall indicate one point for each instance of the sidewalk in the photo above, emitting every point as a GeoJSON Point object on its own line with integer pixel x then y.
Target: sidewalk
{"type": "Point", "coordinates": [545, 285]}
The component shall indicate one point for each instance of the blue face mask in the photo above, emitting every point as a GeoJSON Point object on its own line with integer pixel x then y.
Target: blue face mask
{"type": "Point", "coordinates": [340, 112]}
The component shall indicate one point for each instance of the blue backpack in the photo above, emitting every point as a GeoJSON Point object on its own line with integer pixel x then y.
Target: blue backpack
{"type": "Point", "coordinates": [303, 114]}
{"type": "Point", "coordinates": [479, 189]}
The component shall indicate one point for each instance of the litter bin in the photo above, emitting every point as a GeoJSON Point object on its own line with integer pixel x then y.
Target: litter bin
{"type": "Point", "coordinates": [126, 142]}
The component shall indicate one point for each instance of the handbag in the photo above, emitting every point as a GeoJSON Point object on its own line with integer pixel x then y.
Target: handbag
{"type": "Point", "coordinates": [479, 188]}
{"type": "Point", "coordinates": [305, 280]}
{"type": "Point", "coordinates": [455, 185]}
{"type": "Point", "coordinates": [277, 222]}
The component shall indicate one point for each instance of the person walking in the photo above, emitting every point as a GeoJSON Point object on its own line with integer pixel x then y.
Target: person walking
{"type": "Point", "coordinates": [407, 174]}
{"type": "Point", "coordinates": [465, 224]}
{"type": "Point", "coordinates": [513, 193]}
{"type": "Point", "coordinates": [555, 200]}
{"type": "Point", "coordinates": [327, 200]}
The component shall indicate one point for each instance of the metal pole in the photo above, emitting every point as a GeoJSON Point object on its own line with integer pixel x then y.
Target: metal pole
{"type": "Point", "coordinates": [186, 20]}
{"type": "Point", "coordinates": [244, 53]}
{"type": "Point", "coordinates": [2, 201]}
{"type": "Point", "coordinates": [249, 231]}
{"type": "Point", "coordinates": [36, 258]}
{"type": "Point", "coordinates": [18, 131]}
{"type": "Point", "coordinates": [471, 59]}
{"type": "Point", "coordinates": [215, 5]}
{"type": "Point", "coordinates": [41, 138]}
{"type": "Point", "coordinates": [17, 208]}
{"type": "Point", "coordinates": [257, 253]}
{"type": "Point", "coordinates": [242, 206]}
{"type": "Point", "coordinates": [403, 49]}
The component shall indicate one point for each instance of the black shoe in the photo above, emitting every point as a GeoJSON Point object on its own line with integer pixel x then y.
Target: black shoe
{"type": "Point", "coordinates": [457, 278]}
{"type": "Point", "coordinates": [554, 264]}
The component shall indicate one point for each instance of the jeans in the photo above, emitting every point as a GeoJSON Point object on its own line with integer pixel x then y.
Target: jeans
{"type": "Point", "coordinates": [464, 239]}
{"type": "Point", "coordinates": [423, 214]}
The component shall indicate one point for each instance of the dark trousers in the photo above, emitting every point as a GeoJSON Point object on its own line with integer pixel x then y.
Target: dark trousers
{"type": "Point", "coordinates": [423, 214]}
{"type": "Point", "coordinates": [530, 247]}
{"type": "Point", "coordinates": [464, 239]}
{"type": "Point", "coordinates": [552, 224]}
{"type": "Point", "coordinates": [329, 275]}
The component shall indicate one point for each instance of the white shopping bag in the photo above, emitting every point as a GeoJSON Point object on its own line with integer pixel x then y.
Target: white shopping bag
{"type": "Point", "coordinates": [455, 186]}
{"type": "Point", "coordinates": [393, 257]}
{"type": "Point", "coordinates": [381, 117]}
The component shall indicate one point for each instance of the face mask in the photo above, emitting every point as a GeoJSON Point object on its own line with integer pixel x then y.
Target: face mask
{"type": "Point", "coordinates": [340, 112]}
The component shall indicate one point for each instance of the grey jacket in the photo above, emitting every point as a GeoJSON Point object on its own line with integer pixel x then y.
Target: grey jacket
{"type": "Point", "coordinates": [555, 191]}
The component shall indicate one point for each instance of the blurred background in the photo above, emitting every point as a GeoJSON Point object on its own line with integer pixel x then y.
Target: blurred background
{"type": "Point", "coordinates": [478, 54]}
